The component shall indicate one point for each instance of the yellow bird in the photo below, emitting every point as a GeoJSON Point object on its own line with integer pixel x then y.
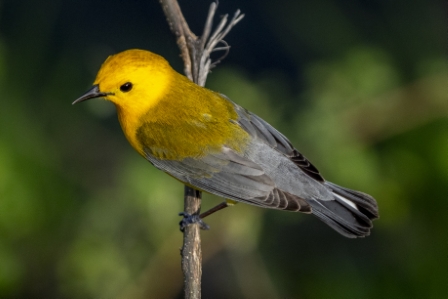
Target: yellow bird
{"type": "Point", "coordinates": [206, 141]}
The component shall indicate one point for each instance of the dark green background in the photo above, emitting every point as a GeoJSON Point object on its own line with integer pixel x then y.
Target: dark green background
{"type": "Point", "coordinates": [360, 87]}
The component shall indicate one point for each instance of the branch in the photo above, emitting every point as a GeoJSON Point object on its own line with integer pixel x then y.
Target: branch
{"type": "Point", "coordinates": [195, 53]}
{"type": "Point", "coordinates": [195, 50]}
{"type": "Point", "coordinates": [180, 28]}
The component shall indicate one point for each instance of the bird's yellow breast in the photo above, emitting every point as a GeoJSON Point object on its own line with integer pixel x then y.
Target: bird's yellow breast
{"type": "Point", "coordinates": [189, 121]}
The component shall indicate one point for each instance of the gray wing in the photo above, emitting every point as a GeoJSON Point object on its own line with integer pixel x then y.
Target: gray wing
{"type": "Point", "coordinates": [259, 128]}
{"type": "Point", "coordinates": [230, 175]}
{"type": "Point", "coordinates": [248, 179]}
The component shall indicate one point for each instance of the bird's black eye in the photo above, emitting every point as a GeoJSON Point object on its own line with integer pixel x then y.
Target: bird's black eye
{"type": "Point", "coordinates": [126, 87]}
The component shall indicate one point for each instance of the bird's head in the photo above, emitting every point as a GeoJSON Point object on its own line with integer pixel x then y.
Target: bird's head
{"type": "Point", "coordinates": [134, 80]}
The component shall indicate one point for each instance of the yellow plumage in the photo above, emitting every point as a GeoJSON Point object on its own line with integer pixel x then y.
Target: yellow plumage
{"type": "Point", "coordinates": [174, 117]}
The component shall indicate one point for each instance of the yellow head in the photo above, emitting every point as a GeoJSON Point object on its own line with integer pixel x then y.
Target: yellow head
{"type": "Point", "coordinates": [134, 80]}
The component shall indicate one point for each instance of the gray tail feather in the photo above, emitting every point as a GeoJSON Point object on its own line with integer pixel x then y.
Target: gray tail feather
{"type": "Point", "coordinates": [350, 213]}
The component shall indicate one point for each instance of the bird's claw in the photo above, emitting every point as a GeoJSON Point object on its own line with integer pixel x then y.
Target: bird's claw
{"type": "Point", "coordinates": [191, 219]}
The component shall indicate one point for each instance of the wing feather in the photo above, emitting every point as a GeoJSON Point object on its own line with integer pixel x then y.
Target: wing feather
{"type": "Point", "coordinates": [230, 175]}
{"type": "Point", "coordinates": [257, 127]}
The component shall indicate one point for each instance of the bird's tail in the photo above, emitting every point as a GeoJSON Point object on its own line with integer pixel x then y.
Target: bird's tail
{"type": "Point", "coordinates": [350, 213]}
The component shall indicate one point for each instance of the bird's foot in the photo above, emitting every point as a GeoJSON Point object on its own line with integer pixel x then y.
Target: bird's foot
{"type": "Point", "coordinates": [191, 219]}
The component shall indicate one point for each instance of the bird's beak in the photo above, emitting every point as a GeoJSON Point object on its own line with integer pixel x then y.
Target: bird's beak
{"type": "Point", "coordinates": [92, 93]}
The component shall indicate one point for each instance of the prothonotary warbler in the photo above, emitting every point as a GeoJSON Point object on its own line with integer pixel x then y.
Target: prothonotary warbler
{"type": "Point", "coordinates": [205, 140]}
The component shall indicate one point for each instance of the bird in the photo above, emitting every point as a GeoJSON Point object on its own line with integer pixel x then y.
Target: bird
{"type": "Point", "coordinates": [206, 141]}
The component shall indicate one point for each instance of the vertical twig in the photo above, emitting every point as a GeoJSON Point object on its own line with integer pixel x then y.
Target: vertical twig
{"type": "Point", "coordinates": [191, 249]}
{"type": "Point", "coordinates": [195, 52]}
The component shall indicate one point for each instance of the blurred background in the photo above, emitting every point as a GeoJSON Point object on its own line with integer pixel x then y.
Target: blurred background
{"type": "Point", "coordinates": [360, 87]}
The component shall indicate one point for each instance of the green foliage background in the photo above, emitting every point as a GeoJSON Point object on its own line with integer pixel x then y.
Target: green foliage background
{"type": "Point", "coordinates": [360, 87]}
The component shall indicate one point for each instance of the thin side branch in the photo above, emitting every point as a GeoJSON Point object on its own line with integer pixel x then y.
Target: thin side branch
{"type": "Point", "coordinates": [197, 64]}
{"type": "Point", "coordinates": [208, 45]}
{"type": "Point", "coordinates": [208, 24]}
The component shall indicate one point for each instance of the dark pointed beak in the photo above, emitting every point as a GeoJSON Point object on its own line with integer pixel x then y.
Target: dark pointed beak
{"type": "Point", "coordinates": [92, 93]}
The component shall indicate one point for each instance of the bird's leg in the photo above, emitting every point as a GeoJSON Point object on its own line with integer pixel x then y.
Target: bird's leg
{"type": "Point", "coordinates": [190, 219]}
{"type": "Point", "coordinates": [216, 208]}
